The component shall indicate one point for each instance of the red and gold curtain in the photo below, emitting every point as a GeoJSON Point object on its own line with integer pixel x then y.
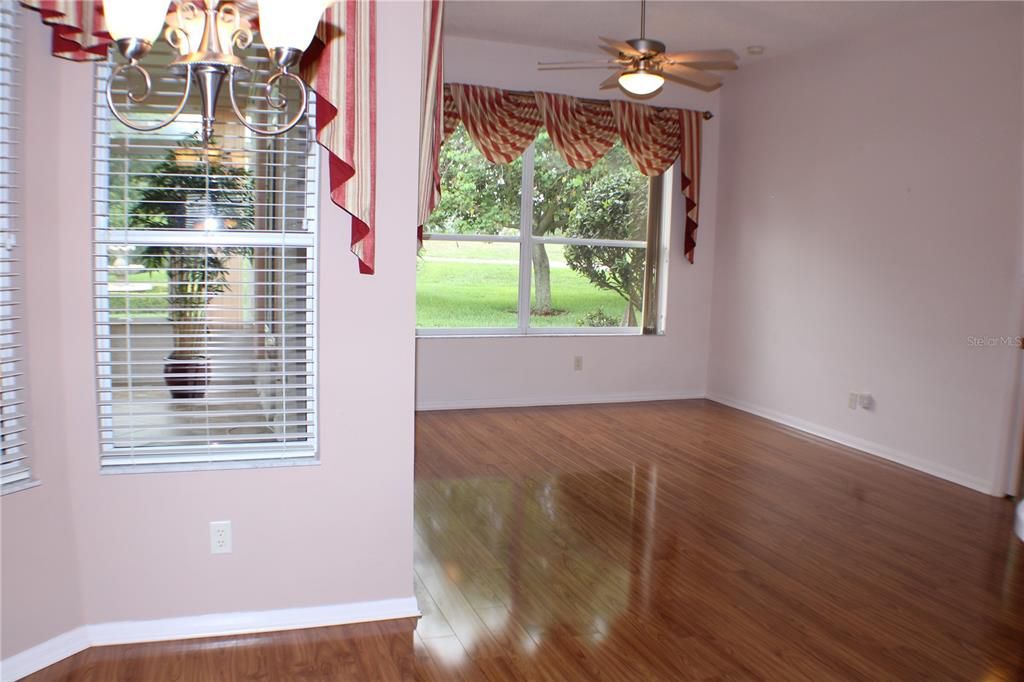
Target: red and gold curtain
{"type": "Point", "coordinates": [502, 124]}
{"type": "Point", "coordinates": [432, 118]}
{"type": "Point", "coordinates": [340, 66]}
{"type": "Point", "coordinates": [690, 123]}
{"type": "Point", "coordinates": [649, 134]}
{"type": "Point", "coordinates": [451, 113]}
{"type": "Point", "coordinates": [582, 131]}
{"type": "Point", "coordinates": [79, 33]}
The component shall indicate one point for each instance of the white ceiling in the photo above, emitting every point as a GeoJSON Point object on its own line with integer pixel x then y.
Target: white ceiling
{"type": "Point", "coordinates": [574, 25]}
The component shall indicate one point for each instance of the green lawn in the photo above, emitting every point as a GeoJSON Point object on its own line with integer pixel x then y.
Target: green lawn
{"type": "Point", "coordinates": [458, 285]}
{"type": "Point", "coordinates": [474, 284]}
{"type": "Point", "coordinates": [151, 303]}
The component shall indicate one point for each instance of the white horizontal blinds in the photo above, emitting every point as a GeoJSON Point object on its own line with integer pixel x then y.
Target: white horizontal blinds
{"type": "Point", "coordinates": [15, 471]}
{"type": "Point", "coordinates": [205, 282]}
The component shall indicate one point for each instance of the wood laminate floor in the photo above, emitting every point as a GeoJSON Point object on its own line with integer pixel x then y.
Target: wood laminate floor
{"type": "Point", "coordinates": [659, 541]}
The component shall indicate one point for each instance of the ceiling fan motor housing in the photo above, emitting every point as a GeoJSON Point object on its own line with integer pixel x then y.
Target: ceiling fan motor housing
{"type": "Point", "coordinates": [647, 46]}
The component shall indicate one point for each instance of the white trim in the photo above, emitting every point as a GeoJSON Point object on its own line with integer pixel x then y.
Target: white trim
{"type": "Point", "coordinates": [247, 622]}
{"type": "Point", "coordinates": [486, 403]}
{"type": "Point", "coordinates": [510, 239]}
{"type": "Point", "coordinates": [147, 237]}
{"type": "Point", "coordinates": [585, 241]}
{"type": "Point", "coordinates": [42, 655]}
{"type": "Point", "coordinates": [525, 245]}
{"type": "Point", "coordinates": [208, 625]}
{"type": "Point", "coordinates": [518, 333]}
{"type": "Point", "coordinates": [866, 446]}
{"type": "Point", "coordinates": [455, 237]}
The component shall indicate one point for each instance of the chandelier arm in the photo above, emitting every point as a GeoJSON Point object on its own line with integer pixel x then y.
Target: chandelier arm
{"type": "Point", "coordinates": [141, 98]}
{"type": "Point", "coordinates": [276, 104]}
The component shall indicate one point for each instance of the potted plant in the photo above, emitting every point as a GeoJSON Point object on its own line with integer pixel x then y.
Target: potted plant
{"type": "Point", "coordinates": [193, 188]}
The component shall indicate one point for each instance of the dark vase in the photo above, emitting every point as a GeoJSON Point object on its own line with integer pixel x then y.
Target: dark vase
{"type": "Point", "coordinates": [186, 375]}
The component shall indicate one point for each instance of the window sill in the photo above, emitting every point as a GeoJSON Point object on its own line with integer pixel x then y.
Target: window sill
{"type": "Point", "coordinates": [19, 486]}
{"type": "Point", "coordinates": [119, 469]}
{"type": "Point", "coordinates": [514, 334]}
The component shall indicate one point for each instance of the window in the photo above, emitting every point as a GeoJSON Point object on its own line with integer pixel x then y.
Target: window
{"type": "Point", "coordinates": [205, 285]}
{"type": "Point", "coordinates": [15, 469]}
{"type": "Point", "coordinates": [536, 246]}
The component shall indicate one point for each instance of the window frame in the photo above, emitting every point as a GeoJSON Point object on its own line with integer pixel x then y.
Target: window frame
{"type": "Point", "coordinates": [245, 455]}
{"type": "Point", "coordinates": [12, 271]}
{"type": "Point", "coordinates": [526, 239]}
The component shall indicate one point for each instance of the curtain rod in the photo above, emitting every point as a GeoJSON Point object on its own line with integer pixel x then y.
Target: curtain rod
{"type": "Point", "coordinates": [706, 115]}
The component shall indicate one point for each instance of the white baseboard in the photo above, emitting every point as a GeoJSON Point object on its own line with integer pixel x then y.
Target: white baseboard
{"type": "Point", "coordinates": [207, 625]}
{"type": "Point", "coordinates": [866, 446]}
{"type": "Point", "coordinates": [540, 401]}
{"type": "Point", "coordinates": [41, 655]}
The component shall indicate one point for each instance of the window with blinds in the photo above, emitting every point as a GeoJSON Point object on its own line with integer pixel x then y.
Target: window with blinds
{"type": "Point", "coordinates": [15, 469]}
{"type": "Point", "coordinates": [205, 282]}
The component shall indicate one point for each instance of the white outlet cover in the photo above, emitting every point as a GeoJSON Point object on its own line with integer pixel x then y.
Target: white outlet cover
{"type": "Point", "coordinates": [220, 537]}
{"type": "Point", "coordinates": [852, 401]}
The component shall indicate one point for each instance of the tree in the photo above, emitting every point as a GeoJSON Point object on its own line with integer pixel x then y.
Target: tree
{"type": "Point", "coordinates": [613, 207]}
{"type": "Point", "coordinates": [479, 197]}
{"type": "Point", "coordinates": [191, 185]}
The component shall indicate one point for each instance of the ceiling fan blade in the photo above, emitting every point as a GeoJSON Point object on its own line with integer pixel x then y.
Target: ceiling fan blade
{"type": "Point", "coordinates": [713, 66]}
{"type": "Point", "coordinates": [611, 81]}
{"type": "Point", "coordinates": [701, 56]}
{"type": "Point", "coordinates": [624, 48]}
{"type": "Point", "coordinates": [692, 77]}
{"type": "Point", "coordinates": [552, 66]}
{"type": "Point", "coordinates": [614, 52]}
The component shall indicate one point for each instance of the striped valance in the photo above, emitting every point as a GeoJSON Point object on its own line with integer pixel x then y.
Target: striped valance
{"type": "Point", "coordinates": [339, 65]}
{"type": "Point", "coordinates": [503, 123]}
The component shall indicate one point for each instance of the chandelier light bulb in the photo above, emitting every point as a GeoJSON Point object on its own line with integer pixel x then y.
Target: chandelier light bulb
{"type": "Point", "coordinates": [205, 37]}
{"type": "Point", "coordinates": [138, 19]}
{"type": "Point", "coordinates": [641, 81]}
{"type": "Point", "coordinates": [289, 23]}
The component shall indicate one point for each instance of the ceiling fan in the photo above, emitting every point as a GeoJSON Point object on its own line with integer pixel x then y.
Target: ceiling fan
{"type": "Point", "coordinates": [644, 66]}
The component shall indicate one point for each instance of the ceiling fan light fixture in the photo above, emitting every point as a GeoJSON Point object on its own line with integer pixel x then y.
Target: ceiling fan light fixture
{"type": "Point", "coordinates": [641, 81]}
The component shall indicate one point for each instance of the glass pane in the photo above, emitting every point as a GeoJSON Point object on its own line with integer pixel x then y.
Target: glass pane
{"type": "Point", "coordinates": [467, 285]}
{"type": "Point", "coordinates": [586, 286]}
{"type": "Point", "coordinates": [165, 179]}
{"type": "Point", "coordinates": [608, 201]}
{"type": "Point", "coordinates": [208, 345]}
{"type": "Point", "coordinates": [477, 197]}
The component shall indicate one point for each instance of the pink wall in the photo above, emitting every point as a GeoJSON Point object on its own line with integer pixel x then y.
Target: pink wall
{"type": "Point", "coordinates": [1016, 463]}
{"type": "Point", "coordinates": [330, 534]}
{"type": "Point", "coordinates": [480, 372]}
{"type": "Point", "coordinates": [870, 223]}
{"type": "Point", "coordinates": [40, 582]}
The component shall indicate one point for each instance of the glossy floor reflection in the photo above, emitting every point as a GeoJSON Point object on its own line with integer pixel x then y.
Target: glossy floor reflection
{"type": "Point", "coordinates": [689, 541]}
{"type": "Point", "coordinates": [659, 541]}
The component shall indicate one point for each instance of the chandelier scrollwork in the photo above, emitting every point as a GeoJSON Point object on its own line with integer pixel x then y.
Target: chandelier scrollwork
{"type": "Point", "coordinates": [205, 39]}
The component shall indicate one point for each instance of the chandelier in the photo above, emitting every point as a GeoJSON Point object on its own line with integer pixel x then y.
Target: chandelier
{"type": "Point", "coordinates": [205, 39]}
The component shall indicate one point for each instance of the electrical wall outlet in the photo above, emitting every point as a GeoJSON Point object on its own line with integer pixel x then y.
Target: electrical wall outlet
{"type": "Point", "coordinates": [577, 363]}
{"type": "Point", "coordinates": [853, 400]}
{"type": "Point", "coordinates": [220, 537]}
{"type": "Point", "coordinates": [866, 401]}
